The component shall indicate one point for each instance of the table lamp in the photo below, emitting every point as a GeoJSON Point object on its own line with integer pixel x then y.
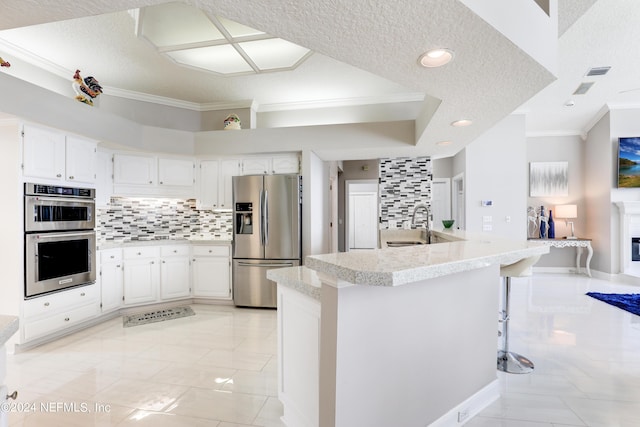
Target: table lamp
{"type": "Point", "coordinates": [567, 212]}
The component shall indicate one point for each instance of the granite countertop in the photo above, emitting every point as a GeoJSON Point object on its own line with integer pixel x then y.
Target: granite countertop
{"type": "Point", "coordinates": [403, 265]}
{"type": "Point", "coordinates": [301, 279]}
{"type": "Point", "coordinates": [8, 327]}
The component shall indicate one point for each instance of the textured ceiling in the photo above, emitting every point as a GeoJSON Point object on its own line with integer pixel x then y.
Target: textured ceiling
{"type": "Point", "coordinates": [364, 51]}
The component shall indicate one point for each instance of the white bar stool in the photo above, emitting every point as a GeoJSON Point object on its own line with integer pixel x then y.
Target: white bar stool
{"type": "Point", "coordinates": [509, 361]}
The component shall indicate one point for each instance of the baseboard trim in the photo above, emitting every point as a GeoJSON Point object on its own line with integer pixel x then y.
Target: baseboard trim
{"type": "Point", "coordinates": [471, 407]}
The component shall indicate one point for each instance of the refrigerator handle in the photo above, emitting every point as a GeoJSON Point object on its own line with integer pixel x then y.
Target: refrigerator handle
{"type": "Point", "coordinates": [266, 217]}
{"type": "Point", "coordinates": [261, 214]}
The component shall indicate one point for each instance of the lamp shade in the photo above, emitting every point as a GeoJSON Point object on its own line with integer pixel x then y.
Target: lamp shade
{"type": "Point", "coordinates": [566, 211]}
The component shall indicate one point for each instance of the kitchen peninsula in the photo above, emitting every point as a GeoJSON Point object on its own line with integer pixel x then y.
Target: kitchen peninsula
{"type": "Point", "coordinates": [394, 336]}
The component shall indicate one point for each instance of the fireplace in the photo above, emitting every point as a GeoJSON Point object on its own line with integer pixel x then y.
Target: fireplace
{"type": "Point", "coordinates": [629, 237]}
{"type": "Point", "coordinates": [635, 249]}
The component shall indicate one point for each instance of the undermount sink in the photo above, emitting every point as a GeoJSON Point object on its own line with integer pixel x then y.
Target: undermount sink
{"type": "Point", "coordinates": [398, 243]}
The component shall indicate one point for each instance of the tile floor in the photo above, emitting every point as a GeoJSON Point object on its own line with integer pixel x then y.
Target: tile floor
{"type": "Point", "coordinates": [218, 368]}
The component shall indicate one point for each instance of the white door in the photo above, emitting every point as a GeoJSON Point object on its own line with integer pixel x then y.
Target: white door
{"type": "Point", "coordinates": [44, 153]}
{"type": "Point", "coordinates": [141, 277]}
{"type": "Point", "coordinates": [211, 277]}
{"type": "Point", "coordinates": [80, 160]}
{"type": "Point", "coordinates": [363, 216]}
{"type": "Point", "coordinates": [135, 170]}
{"type": "Point", "coordinates": [440, 200]}
{"type": "Point", "coordinates": [228, 169]}
{"type": "Point", "coordinates": [458, 201]}
{"type": "Point", "coordinates": [111, 285]}
{"type": "Point", "coordinates": [174, 276]}
{"type": "Point", "coordinates": [208, 184]}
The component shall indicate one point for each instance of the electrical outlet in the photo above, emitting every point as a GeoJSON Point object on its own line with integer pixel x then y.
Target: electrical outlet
{"type": "Point", "coordinates": [487, 218]}
{"type": "Point", "coordinates": [463, 415]}
{"type": "Point", "coordinates": [487, 227]}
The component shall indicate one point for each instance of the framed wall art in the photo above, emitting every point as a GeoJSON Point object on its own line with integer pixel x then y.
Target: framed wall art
{"type": "Point", "coordinates": [548, 179]}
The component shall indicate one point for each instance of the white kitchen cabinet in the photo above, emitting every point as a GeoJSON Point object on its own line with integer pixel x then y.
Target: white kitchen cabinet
{"type": "Point", "coordinates": [266, 165]}
{"type": "Point", "coordinates": [55, 312]}
{"type": "Point", "coordinates": [141, 274]}
{"type": "Point", "coordinates": [104, 177]}
{"type": "Point", "coordinates": [178, 172]}
{"type": "Point", "coordinates": [211, 271]}
{"type": "Point", "coordinates": [111, 279]}
{"type": "Point", "coordinates": [215, 189]}
{"type": "Point", "coordinates": [138, 170]}
{"type": "Point", "coordinates": [175, 272]}
{"type": "Point", "coordinates": [51, 155]}
{"type": "Point", "coordinates": [256, 166]}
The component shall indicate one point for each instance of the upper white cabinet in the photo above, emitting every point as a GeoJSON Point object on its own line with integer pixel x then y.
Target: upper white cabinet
{"type": "Point", "coordinates": [265, 165]}
{"type": "Point", "coordinates": [180, 172]}
{"type": "Point", "coordinates": [104, 177]}
{"type": "Point", "coordinates": [134, 170]}
{"type": "Point", "coordinates": [215, 189]}
{"type": "Point", "coordinates": [149, 175]}
{"type": "Point", "coordinates": [49, 154]}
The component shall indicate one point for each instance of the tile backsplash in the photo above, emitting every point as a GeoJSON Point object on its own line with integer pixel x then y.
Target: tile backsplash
{"type": "Point", "coordinates": [403, 183]}
{"type": "Point", "coordinates": [128, 218]}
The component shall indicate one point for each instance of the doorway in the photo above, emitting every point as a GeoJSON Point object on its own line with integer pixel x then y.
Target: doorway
{"type": "Point", "coordinates": [458, 200]}
{"type": "Point", "coordinates": [440, 200]}
{"type": "Point", "coordinates": [361, 206]}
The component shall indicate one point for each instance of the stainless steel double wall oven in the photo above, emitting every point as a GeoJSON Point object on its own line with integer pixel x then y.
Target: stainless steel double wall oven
{"type": "Point", "coordinates": [59, 238]}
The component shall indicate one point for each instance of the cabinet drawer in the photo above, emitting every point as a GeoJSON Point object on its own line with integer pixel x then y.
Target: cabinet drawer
{"type": "Point", "coordinates": [37, 328]}
{"type": "Point", "coordinates": [174, 250]}
{"type": "Point", "coordinates": [141, 252]}
{"type": "Point", "coordinates": [111, 255]}
{"type": "Point", "coordinates": [211, 250]}
{"type": "Point", "coordinates": [54, 303]}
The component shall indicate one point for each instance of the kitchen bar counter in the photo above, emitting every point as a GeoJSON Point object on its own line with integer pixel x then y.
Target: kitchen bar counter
{"type": "Point", "coordinates": [8, 327]}
{"type": "Point", "coordinates": [393, 336]}
{"type": "Point", "coordinates": [110, 244]}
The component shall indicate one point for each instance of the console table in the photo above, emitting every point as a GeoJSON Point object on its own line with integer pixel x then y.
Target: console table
{"type": "Point", "coordinates": [579, 244]}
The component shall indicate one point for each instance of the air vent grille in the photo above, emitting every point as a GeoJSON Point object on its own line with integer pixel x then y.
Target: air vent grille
{"type": "Point", "coordinates": [583, 88]}
{"type": "Point", "coordinates": [597, 71]}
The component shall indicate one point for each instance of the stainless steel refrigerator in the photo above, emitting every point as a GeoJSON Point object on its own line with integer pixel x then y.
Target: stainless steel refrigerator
{"type": "Point", "coordinates": [266, 234]}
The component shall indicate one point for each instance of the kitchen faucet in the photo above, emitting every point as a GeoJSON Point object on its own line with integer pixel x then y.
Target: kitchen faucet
{"type": "Point", "coordinates": [422, 206]}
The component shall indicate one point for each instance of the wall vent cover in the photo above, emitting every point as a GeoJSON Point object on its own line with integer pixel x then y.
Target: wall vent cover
{"type": "Point", "coordinates": [597, 71]}
{"type": "Point", "coordinates": [583, 88]}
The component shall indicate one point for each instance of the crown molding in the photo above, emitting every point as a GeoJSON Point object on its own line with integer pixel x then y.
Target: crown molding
{"type": "Point", "coordinates": [547, 133]}
{"type": "Point", "coordinates": [346, 102]}
{"type": "Point", "coordinates": [35, 60]}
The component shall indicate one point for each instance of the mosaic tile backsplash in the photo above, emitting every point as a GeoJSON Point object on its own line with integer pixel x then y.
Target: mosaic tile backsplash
{"type": "Point", "coordinates": [404, 182]}
{"type": "Point", "coordinates": [126, 219]}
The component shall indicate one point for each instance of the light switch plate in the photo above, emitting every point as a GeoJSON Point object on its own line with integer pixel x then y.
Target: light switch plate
{"type": "Point", "coordinates": [487, 218]}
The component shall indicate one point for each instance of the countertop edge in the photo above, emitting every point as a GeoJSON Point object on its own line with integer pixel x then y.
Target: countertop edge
{"type": "Point", "coordinates": [301, 279]}
{"type": "Point", "coordinates": [8, 327]}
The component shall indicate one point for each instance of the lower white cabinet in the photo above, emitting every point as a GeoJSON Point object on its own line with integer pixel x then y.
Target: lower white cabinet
{"type": "Point", "coordinates": [111, 279]}
{"type": "Point", "coordinates": [211, 271]}
{"type": "Point", "coordinates": [141, 274]}
{"type": "Point", "coordinates": [174, 272]}
{"type": "Point", "coordinates": [54, 312]}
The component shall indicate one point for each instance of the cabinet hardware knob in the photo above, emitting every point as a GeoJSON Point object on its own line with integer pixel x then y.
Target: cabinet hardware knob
{"type": "Point", "coordinates": [46, 304]}
{"type": "Point", "coordinates": [66, 319]}
{"type": "Point", "coordinates": [139, 253]}
{"type": "Point", "coordinates": [118, 266]}
{"type": "Point", "coordinates": [153, 262]}
{"type": "Point", "coordinates": [194, 260]}
{"type": "Point", "coordinates": [175, 251]}
{"type": "Point", "coordinates": [112, 256]}
{"type": "Point", "coordinates": [13, 395]}
{"type": "Point", "coordinates": [59, 175]}
{"type": "Point", "coordinates": [210, 250]}
{"type": "Point", "coordinates": [71, 177]}
{"type": "Point", "coordinates": [82, 294]}
{"type": "Point", "coordinates": [161, 182]}
{"type": "Point", "coordinates": [164, 262]}
{"type": "Point", "coordinates": [150, 182]}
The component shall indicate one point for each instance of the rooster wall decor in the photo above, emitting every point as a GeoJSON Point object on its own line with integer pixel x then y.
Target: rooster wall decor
{"type": "Point", "coordinates": [4, 63]}
{"type": "Point", "coordinates": [86, 90]}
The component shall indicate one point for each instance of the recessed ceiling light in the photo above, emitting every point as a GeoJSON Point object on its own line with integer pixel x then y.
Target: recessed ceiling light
{"type": "Point", "coordinates": [443, 142]}
{"type": "Point", "coordinates": [436, 57]}
{"type": "Point", "coordinates": [461, 123]}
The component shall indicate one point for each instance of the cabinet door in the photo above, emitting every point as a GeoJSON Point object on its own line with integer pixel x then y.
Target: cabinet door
{"type": "Point", "coordinates": [104, 177]}
{"type": "Point", "coordinates": [228, 169]}
{"type": "Point", "coordinates": [256, 165]}
{"type": "Point", "coordinates": [178, 172]}
{"type": "Point", "coordinates": [208, 184]}
{"type": "Point", "coordinates": [174, 276]}
{"type": "Point", "coordinates": [285, 164]}
{"type": "Point", "coordinates": [43, 153]}
{"type": "Point", "coordinates": [211, 277]}
{"type": "Point", "coordinates": [111, 284]}
{"type": "Point", "coordinates": [141, 278]}
{"type": "Point", "coordinates": [80, 160]}
{"type": "Point", "coordinates": [134, 170]}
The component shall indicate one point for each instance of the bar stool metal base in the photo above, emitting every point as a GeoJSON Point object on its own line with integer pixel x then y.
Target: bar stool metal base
{"type": "Point", "coordinates": [514, 363]}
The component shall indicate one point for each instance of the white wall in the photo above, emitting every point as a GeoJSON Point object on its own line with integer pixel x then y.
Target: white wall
{"type": "Point", "coordinates": [11, 218]}
{"type": "Point", "coordinates": [315, 206]}
{"type": "Point", "coordinates": [495, 170]}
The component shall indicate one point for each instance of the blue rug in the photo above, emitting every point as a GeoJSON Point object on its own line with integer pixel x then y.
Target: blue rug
{"type": "Point", "coordinates": [628, 302]}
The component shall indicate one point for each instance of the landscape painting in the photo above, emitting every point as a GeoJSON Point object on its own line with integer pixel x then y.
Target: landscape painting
{"type": "Point", "coordinates": [629, 162]}
{"type": "Point", "coordinates": [548, 179]}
